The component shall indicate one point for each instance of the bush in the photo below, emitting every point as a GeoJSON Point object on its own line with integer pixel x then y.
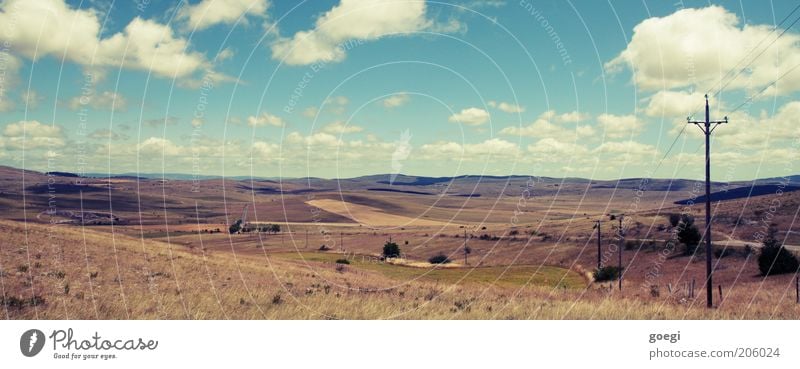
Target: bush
{"type": "Point", "coordinates": [724, 252]}
{"type": "Point", "coordinates": [674, 219]}
{"type": "Point", "coordinates": [235, 227]}
{"type": "Point", "coordinates": [607, 273]}
{"type": "Point", "coordinates": [324, 248]}
{"type": "Point", "coordinates": [776, 259]}
{"type": "Point", "coordinates": [391, 250]}
{"type": "Point", "coordinates": [689, 236]}
{"type": "Point", "coordinates": [439, 259]}
{"type": "Point", "coordinates": [342, 261]}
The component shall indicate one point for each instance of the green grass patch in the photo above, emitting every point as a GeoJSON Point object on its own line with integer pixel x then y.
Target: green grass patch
{"type": "Point", "coordinates": [512, 276]}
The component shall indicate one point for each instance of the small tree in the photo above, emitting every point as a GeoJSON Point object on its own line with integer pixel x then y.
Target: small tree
{"type": "Point", "coordinates": [774, 258]}
{"type": "Point", "coordinates": [391, 250]}
{"type": "Point", "coordinates": [275, 228]}
{"type": "Point", "coordinates": [235, 227]}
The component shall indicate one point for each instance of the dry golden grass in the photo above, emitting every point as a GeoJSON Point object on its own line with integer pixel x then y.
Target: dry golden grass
{"type": "Point", "coordinates": [85, 274]}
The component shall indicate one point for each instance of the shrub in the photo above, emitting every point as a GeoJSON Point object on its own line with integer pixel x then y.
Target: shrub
{"type": "Point", "coordinates": [342, 261]}
{"type": "Point", "coordinates": [724, 252]}
{"type": "Point", "coordinates": [439, 259]}
{"type": "Point", "coordinates": [776, 259]}
{"type": "Point", "coordinates": [607, 273]}
{"type": "Point", "coordinates": [235, 227]}
{"type": "Point", "coordinates": [674, 219]}
{"type": "Point", "coordinates": [324, 248]}
{"type": "Point", "coordinates": [391, 250]}
{"type": "Point", "coordinates": [690, 237]}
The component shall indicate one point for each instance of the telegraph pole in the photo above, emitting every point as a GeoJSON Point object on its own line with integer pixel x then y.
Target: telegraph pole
{"type": "Point", "coordinates": [621, 246]}
{"type": "Point", "coordinates": [708, 127]}
{"type": "Point", "coordinates": [599, 259]}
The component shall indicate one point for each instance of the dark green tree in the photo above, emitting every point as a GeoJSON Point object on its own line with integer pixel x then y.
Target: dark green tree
{"type": "Point", "coordinates": [391, 250]}
{"type": "Point", "coordinates": [774, 258]}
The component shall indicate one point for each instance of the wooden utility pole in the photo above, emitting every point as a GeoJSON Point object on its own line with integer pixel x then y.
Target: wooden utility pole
{"type": "Point", "coordinates": [599, 259]}
{"type": "Point", "coordinates": [708, 126]}
{"type": "Point", "coordinates": [466, 248]}
{"type": "Point", "coordinates": [621, 247]}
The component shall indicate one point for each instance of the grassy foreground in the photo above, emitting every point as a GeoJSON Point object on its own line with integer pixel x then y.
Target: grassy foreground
{"type": "Point", "coordinates": [72, 273]}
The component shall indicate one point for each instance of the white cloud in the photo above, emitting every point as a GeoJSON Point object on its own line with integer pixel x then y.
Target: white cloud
{"type": "Point", "coordinates": [695, 47]}
{"type": "Point", "coordinates": [157, 146]}
{"type": "Point", "coordinates": [506, 107]}
{"type": "Point", "coordinates": [74, 34]}
{"type": "Point", "coordinates": [620, 126]}
{"type": "Point", "coordinates": [106, 100]}
{"type": "Point", "coordinates": [572, 117]}
{"type": "Point", "coordinates": [265, 150]}
{"type": "Point", "coordinates": [675, 104]}
{"type": "Point", "coordinates": [553, 148]}
{"type": "Point", "coordinates": [470, 117]}
{"type": "Point", "coordinates": [31, 99]}
{"type": "Point", "coordinates": [211, 12]}
{"type": "Point", "coordinates": [319, 138]}
{"type": "Point", "coordinates": [627, 149]}
{"type": "Point", "coordinates": [340, 127]}
{"type": "Point", "coordinates": [265, 119]}
{"type": "Point", "coordinates": [32, 135]}
{"type": "Point", "coordinates": [396, 100]}
{"type": "Point", "coordinates": [310, 112]}
{"type": "Point", "coordinates": [9, 78]}
{"type": "Point", "coordinates": [447, 150]}
{"type": "Point", "coordinates": [543, 127]}
{"type": "Point", "coordinates": [350, 20]}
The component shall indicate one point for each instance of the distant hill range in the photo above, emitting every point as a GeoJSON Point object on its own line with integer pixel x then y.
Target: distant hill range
{"type": "Point", "coordinates": [464, 185]}
{"type": "Point", "coordinates": [741, 192]}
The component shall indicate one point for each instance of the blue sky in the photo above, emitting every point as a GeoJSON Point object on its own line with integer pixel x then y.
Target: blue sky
{"type": "Point", "coordinates": [353, 87]}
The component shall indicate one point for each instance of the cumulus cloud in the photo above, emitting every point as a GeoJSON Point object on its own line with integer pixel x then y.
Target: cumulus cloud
{"type": "Point", "coordinates": [506, 107]}
{"type": "Point", "coordinates": [75, 34]}
{"type": "Point", "coordinates": [208, 13]}
{"type": "Point", "coordinates": [694, 47]}
{"type": "Point", "coordinates": [620, 126]}
{"type": "Point", "coordinates": [675, 104]}
{"type": "Point", "coordinates": [265, 150]}
{"type": "Point", "coordinates": [448, 150]}
{"type": "Point", "coordinates": [361, 20]}
{"type": "Point", "coordinates": [265, 119]}
{"type": "Point", "coordinates": [32, 135]}
{"type": "Point", "coordinates": [158, 146]}
{"type": "Point", "coordinates": [553, 148]}
{"type": "Point", "coordinates": [544, 127]}
{"type": "Point", "coordinates": [396, 100]}
{"type": "Point", "coordinates": [470, 117]}
{"type": "Point", "coordinates": [9, 78]}
{"type": "Point", "coordinates": [630, 150]}
{"type": "Point", "coordinates": [340, 127]}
